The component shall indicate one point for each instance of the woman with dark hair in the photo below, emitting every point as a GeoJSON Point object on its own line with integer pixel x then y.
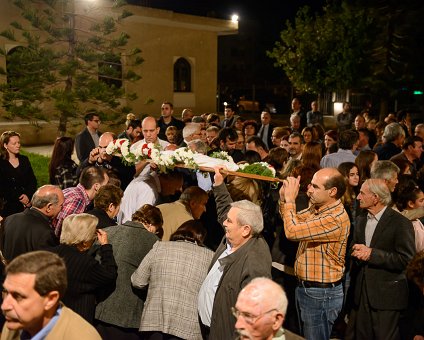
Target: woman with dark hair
{"type": "Point", "coordinates": [106, 205]}
{"type": "Point", "coordinates": [308, 134]}
{"type": "Point", "coordinates": [364, 160]}
{"type": "Point", "coordinates": [250, 128]}
{"type": "Point", "coordinates": [174, 272]}
{"type": "Point", "coordinates": [62, 169]}
{"type": "Point", "coordinates": [330, 142]}
{"type": "Point", "coordinates": [17, 179]}
{"type": "Point", "coordinates": [408, 196]}
{"type": "Point", "coordinates": [311, 155]}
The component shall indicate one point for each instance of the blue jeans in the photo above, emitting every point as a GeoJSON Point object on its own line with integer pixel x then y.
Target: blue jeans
{"type": "Point", "coordinates": [319, 308]}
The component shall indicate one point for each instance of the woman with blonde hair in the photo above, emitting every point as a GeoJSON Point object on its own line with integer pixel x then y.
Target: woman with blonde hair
{"type": "Point", "coordinates": [88, 279]}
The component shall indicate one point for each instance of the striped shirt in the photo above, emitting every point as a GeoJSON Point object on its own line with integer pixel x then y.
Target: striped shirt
{"type": "Point", "coordinates": [322, 236]}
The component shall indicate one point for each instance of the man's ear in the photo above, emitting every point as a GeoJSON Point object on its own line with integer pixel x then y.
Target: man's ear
{"type": "Point", "coordinates": [278, 323]}
{"type": "Point", "coordinates": [247, 230]}
{"type": "Point", "coordinates": [333, 192]}
{"type": "Point", "coordinates": [51, 299]}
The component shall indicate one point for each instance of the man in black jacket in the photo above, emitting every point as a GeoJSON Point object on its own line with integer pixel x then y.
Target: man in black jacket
{"type": "Point", "coordinates": [31, 229]}
{"type": "Point", "coordinates": [88, 139]}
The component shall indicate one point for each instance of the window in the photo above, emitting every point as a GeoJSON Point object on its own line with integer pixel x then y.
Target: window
{"type": "Point", "coordinates": [110, 70]}
{"type": "Point", "coordinates": [182, 75]}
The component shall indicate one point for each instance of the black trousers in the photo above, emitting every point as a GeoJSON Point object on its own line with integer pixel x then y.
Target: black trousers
{"type": "Point", "coordinates": [366, 323]}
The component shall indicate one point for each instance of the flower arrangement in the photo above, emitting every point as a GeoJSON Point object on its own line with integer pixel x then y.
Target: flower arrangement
{"type": "Point", "coordinates": [167, 160]}
{"type": "Point", "coordinates": [222, 155]}
{"type": "Point", "coordinates": [121, 148]}
{"type": "Point", "coordinates": [258, 168]}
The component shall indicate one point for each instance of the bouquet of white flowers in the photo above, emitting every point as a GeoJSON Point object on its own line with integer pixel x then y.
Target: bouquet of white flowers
{"type": "Point", "coordinates": [130, 156]}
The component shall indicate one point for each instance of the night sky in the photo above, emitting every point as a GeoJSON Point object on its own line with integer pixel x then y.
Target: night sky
{"type": "Point", "coordinates": [271, 14]}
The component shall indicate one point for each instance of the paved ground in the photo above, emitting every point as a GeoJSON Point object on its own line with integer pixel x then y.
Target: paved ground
{"type": "Point", "coordinates": [45, 150]}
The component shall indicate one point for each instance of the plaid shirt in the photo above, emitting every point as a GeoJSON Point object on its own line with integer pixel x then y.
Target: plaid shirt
{"type": "Point", "coordinates": [76, 201]}
{"type": "Point", "coordinates": [323, 236]}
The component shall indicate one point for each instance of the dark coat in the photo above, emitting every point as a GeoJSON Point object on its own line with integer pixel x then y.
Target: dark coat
{"type": "Point", "coordinates": [386, 151]}
{"type": "Point", "coordinates": [104, 219]}
{"type": "Point", "coordinates": [84, 144]}
{"type": "Point", "coordinates": [27, 231]}
{"type": "Point", "coordinates": [268, 140]}
{"type": "Point", "coordinates": [14, 182]}
{"type": "Point", "coordinates": [86, 277]}
{"type": "Point", "coordinates": [393, 247]}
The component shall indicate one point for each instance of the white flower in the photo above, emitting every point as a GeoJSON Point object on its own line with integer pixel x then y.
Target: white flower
{"type": "Point", "coordinates": [111, 148]}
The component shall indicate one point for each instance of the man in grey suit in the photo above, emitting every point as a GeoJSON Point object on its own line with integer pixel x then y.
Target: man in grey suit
{"type": "Point", "coordinates": [88, 139]}
{"type": "Point", "coordinates": [383, 244]}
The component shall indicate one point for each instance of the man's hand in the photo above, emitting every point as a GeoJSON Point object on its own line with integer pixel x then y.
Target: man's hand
{"type": "Point", "coordinates": [94, 155]}
{"type": "Point", "coordinates": [361, 252]}
{"type": "Point", "coordinates": [102, 237]}
{"type": "Point", "coordinates": [218, 177]}
{"type": "Point", "coordinates": [290, 189]}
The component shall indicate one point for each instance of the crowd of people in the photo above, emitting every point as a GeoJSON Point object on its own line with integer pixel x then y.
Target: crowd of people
{"type": "Point", "coordinates": [123, 251]}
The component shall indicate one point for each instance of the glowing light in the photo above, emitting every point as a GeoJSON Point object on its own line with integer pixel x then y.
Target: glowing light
{"type": "Point", "coordinates": [234, 18]}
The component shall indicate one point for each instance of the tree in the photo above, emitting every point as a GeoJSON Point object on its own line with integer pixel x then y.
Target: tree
{"type": "Point", "coordinates": [374, 45]}
{"type": "Point", "coordinates": [324, 51]}
{"type": "Point", "coordinates": [67, 62]}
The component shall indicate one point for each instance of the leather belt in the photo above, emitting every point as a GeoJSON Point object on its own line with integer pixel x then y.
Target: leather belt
{"type": "Point", "coordinates": [313, 284]}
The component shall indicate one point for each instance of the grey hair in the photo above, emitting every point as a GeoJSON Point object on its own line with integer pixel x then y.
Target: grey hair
{"type": "Point", "coordinates": [384, 170]}
{"type": "Point", "coordinates": [40, 202]}
{"type": "Point", "coordinates": [378, 187]}
{"type": "Point", "coordinates": [266, 285]}
{"type": "Point", "coordinates": [249, 214]}
{"type": "Point", "coordinates": [393, 131]}
{"type": "Point", "coordinates": [78, 228]}
{"type": "Point", "coordinates": [190, 128]}
{"type": "Point", "coordinates": [199, 146]}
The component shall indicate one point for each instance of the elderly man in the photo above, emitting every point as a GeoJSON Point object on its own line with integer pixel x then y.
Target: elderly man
{"type": "Point", "coordinates": [393, 136]}
{"type": "Point", "coordinates": [31, 229]}
{"type": "Point", "coordinates": [78, 198]}
{"type": "Point", "coordinates": [241, 256]}
{"type": "Point", "coordinates": [383, 244]}
{"type": "Point", "coordinates": [191, 132]}
{"type": "Point", "coordinates": [322, 232]}
{"type": "Point", "coordinates": [190, 206]}
{"type": "Point", "coordinates": [387, 171]}
{"type": "Point", "coordinates": [35, 282]}
{"type": "Point", "coordinates": [265, 130]}
{"type": "Point", "coordinates": [260, 311]}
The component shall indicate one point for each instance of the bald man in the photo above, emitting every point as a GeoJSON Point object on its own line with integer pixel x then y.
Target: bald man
{"type": "Point", "coordinates": [322, 232]}
{"type": "Point", "coordinates": [150, 131]}
{"type": "Point", "coordinates": [260, 311]}
{"type": "Point", "coordinates": [31, 229]}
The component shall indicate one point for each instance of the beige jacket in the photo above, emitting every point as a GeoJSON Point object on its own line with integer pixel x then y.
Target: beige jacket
{"type": "Point", "coordinates": [70, 326]}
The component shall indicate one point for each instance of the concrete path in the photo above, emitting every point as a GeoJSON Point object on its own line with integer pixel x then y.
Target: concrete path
{"type": "Point", "coordinates": [46, 150]}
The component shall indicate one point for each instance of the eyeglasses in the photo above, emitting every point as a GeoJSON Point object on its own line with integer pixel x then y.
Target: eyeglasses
{"type": "Point", "coordinates": [249, 318]}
